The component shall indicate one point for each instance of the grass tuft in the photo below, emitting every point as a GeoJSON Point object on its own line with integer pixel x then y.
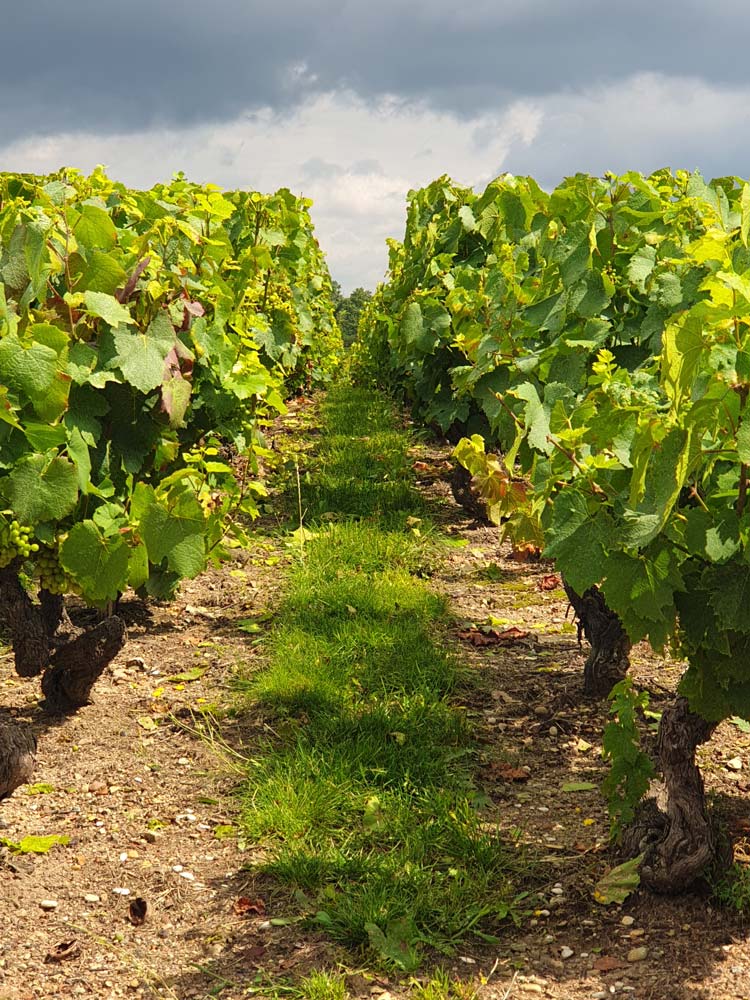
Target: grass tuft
{"type": "Point", "coordinates": [366, 804]}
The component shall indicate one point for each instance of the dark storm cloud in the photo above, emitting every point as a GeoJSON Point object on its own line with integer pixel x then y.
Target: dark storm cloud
{"type": "Point", "coordinates": [135, 64]}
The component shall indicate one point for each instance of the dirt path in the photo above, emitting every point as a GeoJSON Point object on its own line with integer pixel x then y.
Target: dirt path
{"type": "Point", "coordinates": [146, 802]}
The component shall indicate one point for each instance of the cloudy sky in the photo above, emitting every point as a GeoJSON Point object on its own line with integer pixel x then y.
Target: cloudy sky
{"type": "Point", "coordinates": [354, 103]}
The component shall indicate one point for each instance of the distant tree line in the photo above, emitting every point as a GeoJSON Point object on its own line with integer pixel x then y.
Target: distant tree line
{"type": "Point", "coordinates": [347, 309]}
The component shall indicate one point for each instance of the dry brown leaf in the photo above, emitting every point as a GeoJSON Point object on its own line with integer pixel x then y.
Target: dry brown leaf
{"type": "Point", "coordinates": [549, 582]}
{"type": "Point", "coordinates": [493, 637]}
{"type": "Point", "coordinates": [606, 963]}
{"type": "Point", "coordinates": [506, 772]}
{"type": "Point", "coordinates": [243, 906]}
{"type": "Point", "coordinates": [63, 951]}
{"type": "Point", "coordinates": [137, 911]}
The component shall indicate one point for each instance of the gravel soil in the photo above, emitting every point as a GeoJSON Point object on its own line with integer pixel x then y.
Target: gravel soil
{"type": "Point", "coordinates": [141, 783]}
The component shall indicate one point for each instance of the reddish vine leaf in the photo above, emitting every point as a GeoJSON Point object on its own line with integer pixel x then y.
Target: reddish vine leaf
{"type": "Point", "coordinates": [493, 637]}
{"type": "Point", "coordinates": [608, 964]}
{"type": "Point", "coordinates": [506, 772]}
{"type": "Point", "coordinates": [549, 582]}
{"type": "Point", "coordinates": [243, 906]}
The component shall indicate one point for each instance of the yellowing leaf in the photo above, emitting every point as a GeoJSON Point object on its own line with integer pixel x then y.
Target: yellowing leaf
{"type": "Point", "coordinates": [193, 674]}
{"type": "Point", "coordinates": [147, 723]}
{"type": "Point", "coordinates": [619, 882]}
{"type": "Point", "coordinates": [34, 845]}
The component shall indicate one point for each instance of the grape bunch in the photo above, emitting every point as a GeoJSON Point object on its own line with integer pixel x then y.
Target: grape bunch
{"type": "Point", "coordinates": [15, 540]}
{"type": "Point", "coordinates": [52, 576]}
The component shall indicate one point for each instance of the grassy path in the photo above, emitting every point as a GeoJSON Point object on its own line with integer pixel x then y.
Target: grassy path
{"type": "Point", "coordinates": [364, 800]}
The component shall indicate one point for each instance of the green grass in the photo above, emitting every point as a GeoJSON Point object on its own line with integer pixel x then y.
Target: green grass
{"type": "Point", "coordinates": [365, 800]}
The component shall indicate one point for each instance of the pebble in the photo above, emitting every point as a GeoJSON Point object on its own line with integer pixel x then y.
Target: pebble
{"type": "Point", "coordinates": [120, 891]}
{"type": "Point", "coordinates": [566, 952]}
{"type": "Point", "coordinates": [187, 875]}
{"type": "Point", "coordinates": [467, 960]}
{"type": "Point", "coordinates": [637, 954]}
{"type": "Point", "coordinates": [530, 988]}
{"type": "Point", "coordinates": [149, 836]}
{"type": "Point", "coordinates": [735, 764]}
{"type": "Point", "coordinates": [91, 897]}
{"type": "Point", "coordinates": [48, 904]}
{"type": "Point", "coordinates": [184, 761]}
{"type": "Point", "coordinates": [553, 731]}
{"type": "Point", "coordinates": [627, 921]}
{"type": "Point", "coordinates": [548, 938]}
{"type": "Point", "coordinates": [558, 891]}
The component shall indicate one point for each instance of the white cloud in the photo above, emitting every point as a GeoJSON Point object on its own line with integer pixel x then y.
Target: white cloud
{"type": "Point", "coordinates": [357, 160]}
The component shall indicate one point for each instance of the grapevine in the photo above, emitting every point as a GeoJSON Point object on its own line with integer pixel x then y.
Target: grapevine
{"type": "Point", "coordinates": [598, 337]}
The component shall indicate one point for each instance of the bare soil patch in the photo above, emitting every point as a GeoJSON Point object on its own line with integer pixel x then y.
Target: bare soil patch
{"type": "Point", "coordinates": [141, 782]}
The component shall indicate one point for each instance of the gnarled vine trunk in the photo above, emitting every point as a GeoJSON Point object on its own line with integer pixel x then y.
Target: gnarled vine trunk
{"type": "Point", "coordinates": [77, 665]}
{"type": "Point", "coordinates": [31, 648]}
{"type": "Point", "coordinates": [672, 829]}
{"type": "Point", "coordinates": [45, 640]}
{"type": "Point", "coordinates": [609, 657]}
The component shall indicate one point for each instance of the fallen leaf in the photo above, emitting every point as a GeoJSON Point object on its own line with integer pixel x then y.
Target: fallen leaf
{"type": "Point", "coordinates": [525, 553]}
{"type": "Point", "coordinates": [549, 582]}
{"type": "Point", "coordinates": [147, 723]}
{"type": "Point", "coordinates": [34, 845]}
{"type": "Point", "coordinates": [608, 964]}
{"type": "Point", "coordinates": [578, 786]}
{"type": "Point", "coordinates": [63, 951]}
{"type": "Point", "coordinates": [137, 911]}
{"type": "Point", "coordinates": [193, 674]}
{"type": "Point", "coordinates": [619, 882]}
{"type": "Point", "coordinates": [243, 906]}
{"type": "Point", "coordinates": [255, 952]}
{"type": "Point", "coordinates": [507, 772]}
{"type": "Point", "coordinates": [493, 637]}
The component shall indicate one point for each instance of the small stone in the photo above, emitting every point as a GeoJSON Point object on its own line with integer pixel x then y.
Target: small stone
{"type": "Point", "coordinates": [48, 904]}
{"type": "Point", "coordinates": [467, 960]}
{"type": "Point", "coordinates": [566, 952]}
{"type": "Point", "coordinates": [149, 836]}
{"type": "Point", "coordinates": [541, 710]}
{"type": "Point", "coordinates": [735, 764]}
{"type": "Point", "coordinates": [184, 761]}
{"type": "Point", "coordinates": [553, 731]}
{"type": "Point", "coordinates": [530, 988]}
{"type": "Point", "coordinates": [637, 954]}
{"type": "Point", "coordinates": [187, 875]}
{"type": "Point", "coordinates": [557, 891]}
{"type": "Point", "coordinates": [548, 938]}
{"type": "Point", "coordinates": [136, 661]}
{"type": "Point", "coordinates": [627, 921]}
{"type": "Point", "coordinates": [91, 897]}
{"type": "Point", "coordinates": [636, 933]}
{"type": "Point", "coordinates": [120, 891]}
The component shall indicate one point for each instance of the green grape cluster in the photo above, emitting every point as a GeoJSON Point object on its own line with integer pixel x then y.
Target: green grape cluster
{"type": "Point", "coordinates": [15, 540]}
{"type": "Point", "coordinates": [52, 576]}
